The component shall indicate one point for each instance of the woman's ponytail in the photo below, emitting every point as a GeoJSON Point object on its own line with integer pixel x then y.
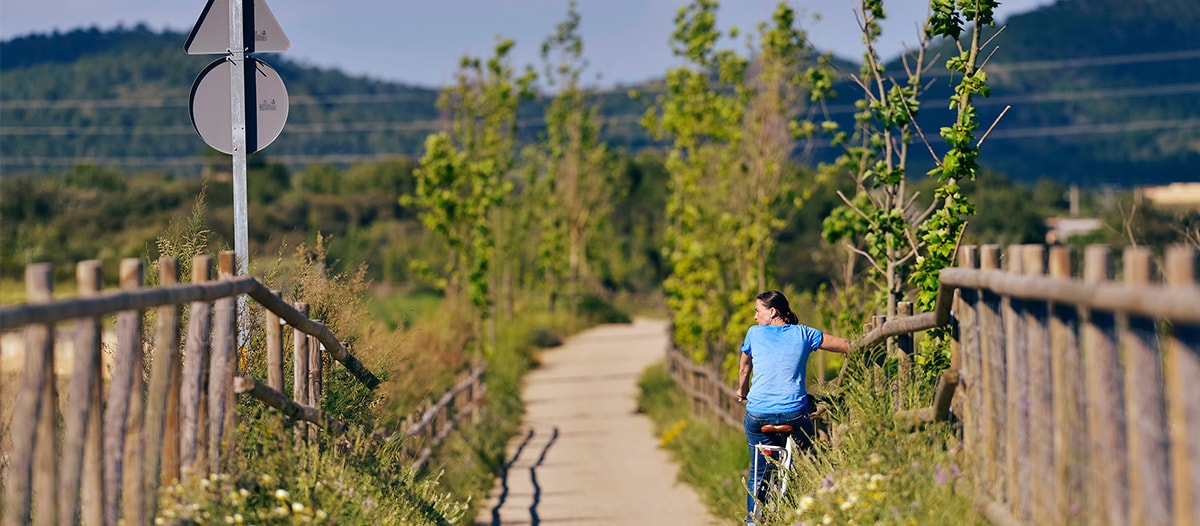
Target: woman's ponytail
{"type": "Point", "coordinates": [790, 318]}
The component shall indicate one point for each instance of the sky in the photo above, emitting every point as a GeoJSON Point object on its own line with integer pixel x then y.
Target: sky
{"type": "Point", "coordinates": [420, 42]}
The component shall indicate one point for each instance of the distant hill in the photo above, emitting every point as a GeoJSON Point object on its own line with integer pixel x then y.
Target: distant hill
{"type": "Point", "coordinates": [1101, 92]}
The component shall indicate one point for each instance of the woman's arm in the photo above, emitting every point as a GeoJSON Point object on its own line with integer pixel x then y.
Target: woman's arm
{"type": "Point", "coordinates": [833, 343]}
{"type": "Point", "coordinates": [744, 368]}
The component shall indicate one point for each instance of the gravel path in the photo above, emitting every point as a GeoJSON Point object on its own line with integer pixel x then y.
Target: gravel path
{"type": "Point", "coordinates": [585, 456]}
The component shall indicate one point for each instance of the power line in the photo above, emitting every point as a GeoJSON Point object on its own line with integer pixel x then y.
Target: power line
{"type": "Point", "coordinates": [437, 124]}
{"type": "Point", "coordinates": [176, 99]}
{"type": "Point", "coordinates": [299, 159]}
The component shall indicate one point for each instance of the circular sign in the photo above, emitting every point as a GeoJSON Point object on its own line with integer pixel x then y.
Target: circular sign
{"type": "Point", "coordinates": [212, 98]}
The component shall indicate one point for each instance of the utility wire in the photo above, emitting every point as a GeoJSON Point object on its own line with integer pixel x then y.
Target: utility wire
{"type": "Point", "coordinates": [437, 124]}
{"type": "Point", "coordinates": [177, 99]}
{"type": "Point", "coordinates": [290, 159]}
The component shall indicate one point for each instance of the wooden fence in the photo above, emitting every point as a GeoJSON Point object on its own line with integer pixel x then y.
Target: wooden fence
{"type": "Point", "coordinates": [117, 449]}
{"type": "Point", "coordinates": [1075, 394]}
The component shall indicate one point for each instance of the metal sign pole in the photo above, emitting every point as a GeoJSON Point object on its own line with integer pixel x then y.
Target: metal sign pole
{"type": "Point", "coordinates": [237, 87]}
{"type": "Point", "coordinates": [258, 102]}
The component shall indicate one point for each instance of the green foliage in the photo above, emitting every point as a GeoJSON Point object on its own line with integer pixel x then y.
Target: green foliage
{"type": "Point", "coordinates": [902, 246]}
{"type": "Point", "coordinates": [597, 310]}
{"type": "Point", "coordinates": [360, 484]}
{"type": "Point", "coordinates": [731, 139]}
{"type": "Point", "coordinates": [462, 180]}
{"type": "Point", "coordinates": [571, 174]}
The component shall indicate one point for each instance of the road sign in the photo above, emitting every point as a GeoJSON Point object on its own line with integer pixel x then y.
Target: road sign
{"type": "Point", "coordinates": [266, 105]}
{"type": "Point", "coordinates": [210, 36]}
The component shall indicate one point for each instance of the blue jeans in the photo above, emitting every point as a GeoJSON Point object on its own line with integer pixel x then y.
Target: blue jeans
{"type": "Point", "coordinates": [802, 429]}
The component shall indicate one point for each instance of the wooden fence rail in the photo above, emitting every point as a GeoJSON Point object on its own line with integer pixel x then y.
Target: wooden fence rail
{"type": "Point", "coordinates": [116, 451]}
{"type": "Point", "coordinates": [437, 421]}
{"type": "Point", "coordinates": [1075, 395]}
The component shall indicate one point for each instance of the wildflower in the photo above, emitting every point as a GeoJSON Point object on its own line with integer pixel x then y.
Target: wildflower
{"type": "Point", "coordinates": [265, 479]}
{"type": "Point", "coordinates": [159, 520]}
{"type": "Point", "coordinates": [280, 511]}
{"type": "Point", "coordinates": [939, 476]}
{"type": "Point", "coordinates": [846, 505]}
{"type": "Point", "coordinates": [875, 459]}
{"type": "Point", "coordinates": [243, 492]}
{"type": "Point", "coordinates": [806, 503]}
{"type": "Point", "coordinates": [297, 507]}
{"type": "Point", "coordinates": [826, 519]}
{"type": "Point", "coordinates": [228, 519]}
{"type": "Point", "coordinates": [281, 494]}
{"type": "Point", "coordinates": [238, 519]}
{"type": "Point", "coordinates": [828, 482]}
{"type": "Point", "coordinates": [368, 503]}
{"type": "Point", "coordinates": [321, 515]}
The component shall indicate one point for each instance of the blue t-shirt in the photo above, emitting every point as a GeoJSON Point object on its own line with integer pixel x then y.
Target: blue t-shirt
{"type": "Point", "coordinates": [779, 356]}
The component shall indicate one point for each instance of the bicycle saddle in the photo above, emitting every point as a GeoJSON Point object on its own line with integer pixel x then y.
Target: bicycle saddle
{"type": "Point", "coordinates": [772, 428]}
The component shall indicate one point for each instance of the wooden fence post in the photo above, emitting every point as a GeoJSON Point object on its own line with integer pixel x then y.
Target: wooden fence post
{"type": "Point", "coordinates": [1105, 400]}
{"type": "Point", "coordinates": [300, 372]}
{"type": "Point", "coordinates": [1182, 370]}
{"type": "Point", "coordinates": [193, 393]}
{"type": "Point", "coordinates": [879, 378]}
{"type": "Point", "coordinates": [904, 350]}
{"type": "Point", "coordinates": [82, 430]}
{"type": "Point", "coordinates": [223, 369]}
{"type": "Point", "coordinates": [966, 338]}
{"type": "Point", "coordinates": [314, 383]}
{"type": "Point", "coordinates": [1149, 474]}
{"type": "Point", "coordinates": [1017, 360]}
{"type": "Point", "coordinates": [160, 437]}
{"type": "Point", "coordinates": [995, 402]}
{"type": "Point", "coordinates": [124, 396]}
{"type": "Point", "coordinates": [1041, 409]}
{"type": "Point", "coordinates": [1069, 432]}
{"type": "Point", "coordinates": [29, 439]}
{"type": "Point", "coordinates": [274, 348]}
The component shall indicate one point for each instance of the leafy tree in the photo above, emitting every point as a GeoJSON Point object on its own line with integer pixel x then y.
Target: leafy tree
{"type": "Point", "coordinates": [574, 174]}
{"type": "Point", "coordinates": [902, 245]}
{"type": "Point", "coordinates": [462, 179]}
{"type": "Point", "coordinates": [733, 131]}
{"type": "Point", "coordinates": [95, 177]}
{"type": "Point", "coordinates": [703, 126]}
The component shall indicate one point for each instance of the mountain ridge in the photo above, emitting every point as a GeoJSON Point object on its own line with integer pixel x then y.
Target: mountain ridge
{"type": "Point", "coordinates": [1110, 107]}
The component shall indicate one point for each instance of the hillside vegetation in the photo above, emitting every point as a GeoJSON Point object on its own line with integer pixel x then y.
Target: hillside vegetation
{"type": "Point", "coordinates": [1112, 104]}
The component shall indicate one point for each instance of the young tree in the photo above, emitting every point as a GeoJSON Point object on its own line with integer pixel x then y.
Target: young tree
{"type": "Point", "coordinates": [574, 171]}
{"type": "Point", "coordinates": [904, 246]}
{"type": "Point", "coordinates": [702, 121]}
{"type": "Point", "coordinates": [462, 178]}
{"type": "Point", "coordinates": [733, 126]}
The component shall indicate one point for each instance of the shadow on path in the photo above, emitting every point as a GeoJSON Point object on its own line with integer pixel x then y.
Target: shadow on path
{"type": "Point", "coordinates": [537, 490]}
{"type": "Point", "coordinates": [504, 477]}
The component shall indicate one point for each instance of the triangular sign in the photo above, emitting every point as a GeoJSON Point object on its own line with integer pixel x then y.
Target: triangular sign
{"type": "Point", "coordinates": [211, 34]}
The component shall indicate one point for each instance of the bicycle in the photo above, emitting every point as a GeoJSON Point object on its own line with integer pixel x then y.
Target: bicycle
{"type": "Point", "coordinates": [779, 467]}
{"type": "Point", "coordinates": [775, 480]}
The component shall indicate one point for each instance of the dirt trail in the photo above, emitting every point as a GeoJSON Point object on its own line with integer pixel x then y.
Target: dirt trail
{"type": "Point", "coordinates": [585, 456]}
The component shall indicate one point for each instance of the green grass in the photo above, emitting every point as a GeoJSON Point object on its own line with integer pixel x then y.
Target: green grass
{"type": "Point", "coordinates": [401, 310]}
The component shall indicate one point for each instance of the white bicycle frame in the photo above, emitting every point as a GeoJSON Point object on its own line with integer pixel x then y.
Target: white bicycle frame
{"type": "Point", "coordinates": [781, 456]}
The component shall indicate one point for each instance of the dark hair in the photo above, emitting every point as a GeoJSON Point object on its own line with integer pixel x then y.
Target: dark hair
{"type": "Point", "coordinates": [776, 300]}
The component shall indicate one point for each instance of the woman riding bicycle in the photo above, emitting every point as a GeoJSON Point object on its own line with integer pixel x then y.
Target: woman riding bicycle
{"type": "Point", "coordinates": [776, 350]}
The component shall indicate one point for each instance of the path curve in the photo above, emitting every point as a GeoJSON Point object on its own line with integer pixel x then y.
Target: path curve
{"type": "Point", "coordinates": [584, 456]}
